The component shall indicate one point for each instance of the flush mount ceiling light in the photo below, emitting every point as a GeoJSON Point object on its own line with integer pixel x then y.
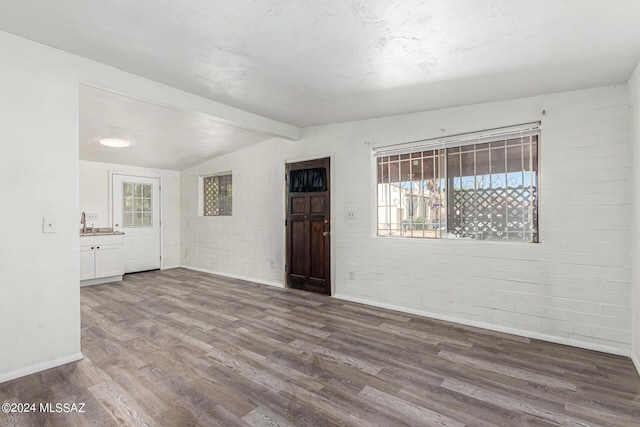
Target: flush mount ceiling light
{"type": "Point", "coordinates": [113, 142]}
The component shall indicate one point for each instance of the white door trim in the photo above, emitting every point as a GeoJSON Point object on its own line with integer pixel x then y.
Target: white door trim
{"type": "Point", "coordinates": [161, 205]}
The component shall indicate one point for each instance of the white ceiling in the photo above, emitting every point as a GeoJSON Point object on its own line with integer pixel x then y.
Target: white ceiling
{"type": "Point", "coordinates": [308, 62]}
{"type": "Point", "coordinates": [160, 137]}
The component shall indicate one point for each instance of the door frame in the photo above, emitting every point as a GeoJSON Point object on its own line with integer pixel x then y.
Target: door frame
{"type": "Point", "coordinates": [332, 244]}
{"type": "Point", "coordinates": [160, 205]}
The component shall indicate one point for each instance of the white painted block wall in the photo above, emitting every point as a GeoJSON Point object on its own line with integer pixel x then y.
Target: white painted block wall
{"type": "Point", "coordinates": [249, 243]}
{"type": "Point", "coordinates": [94, 198]}
{"type": "Point", "coordinates": [634, 99]}
{"type": "Point", "coordinates": [573, 287]}
{"type": "Point", "coordinates": [39, 292]}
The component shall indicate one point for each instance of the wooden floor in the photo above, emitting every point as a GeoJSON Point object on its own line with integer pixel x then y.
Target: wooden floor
{"type": "Point", "coordinates": [182, 348]}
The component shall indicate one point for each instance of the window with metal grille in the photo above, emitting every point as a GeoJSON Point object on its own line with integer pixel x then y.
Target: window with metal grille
{"type": "Point", "coordinates": [481, 186]}
{"type": "Point", "coordinates": [217, 195]}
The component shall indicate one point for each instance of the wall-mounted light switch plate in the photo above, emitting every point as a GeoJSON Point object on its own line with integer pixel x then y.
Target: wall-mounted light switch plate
{"type": "Point", "coordinates": [48, 224]}
{"type": "Point", "coordinates": [92, 217]}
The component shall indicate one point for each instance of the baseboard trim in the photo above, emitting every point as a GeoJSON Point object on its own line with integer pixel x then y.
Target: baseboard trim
{"type": "Point", "coordinates": [497, 328]}
{"type": "Point", "coordinates": [39, 367]}
{"type": "Point", "coordinates": [171, 266]}
{"type": "Point", "coordinates": [100, 281]}
{"type": "Point", "coordinates": [636, 361]}
{"type": "Point", "coordinates": [235, 276]}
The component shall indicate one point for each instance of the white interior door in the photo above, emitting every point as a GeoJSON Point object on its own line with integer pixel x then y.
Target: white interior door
{"type": "Point", "coordinates": [136, 212]}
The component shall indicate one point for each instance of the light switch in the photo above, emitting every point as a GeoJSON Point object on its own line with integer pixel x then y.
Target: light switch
{"type": "Point", "coordinates": [48, 224]}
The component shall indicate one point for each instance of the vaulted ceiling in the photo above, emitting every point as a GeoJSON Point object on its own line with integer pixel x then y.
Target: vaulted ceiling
{"type": "Point", "coordinates": [307, 62]}
{"type": "Point", "coordinates": [160, 137]}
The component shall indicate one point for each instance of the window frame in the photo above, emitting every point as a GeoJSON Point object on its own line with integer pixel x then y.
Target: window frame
{"type": "Point", "coordinates": [530, 135]}
{"type": "Point", "coordinates": [202, 197]}
{"type": "Point", "coordinates": [134, 212]}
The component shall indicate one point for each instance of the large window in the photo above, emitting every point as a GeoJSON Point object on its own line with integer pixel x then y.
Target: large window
{"type": "Point", "coordinates": [481, 186]}
{"type": "Point", "coordinates": [217, 195]}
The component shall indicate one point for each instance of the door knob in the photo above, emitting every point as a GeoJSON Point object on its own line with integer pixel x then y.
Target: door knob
{"type": "Point", "coordinates": [325, 234]}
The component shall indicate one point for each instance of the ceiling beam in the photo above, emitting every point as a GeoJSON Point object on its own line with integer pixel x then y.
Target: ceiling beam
{"type": "Point", "coordinates": [111, 79]}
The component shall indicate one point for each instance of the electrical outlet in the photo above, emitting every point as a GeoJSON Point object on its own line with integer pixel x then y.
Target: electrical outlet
{"type": "Point", "coordinates": [352, 275]}
{"type": "Point", "coordinates": [351, 214]}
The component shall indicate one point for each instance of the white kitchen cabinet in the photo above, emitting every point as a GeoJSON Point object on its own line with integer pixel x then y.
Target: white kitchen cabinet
{"type": "Point", "coordinates": [87, 261]}
{"type": "Point", "coordinates": [101, 259]}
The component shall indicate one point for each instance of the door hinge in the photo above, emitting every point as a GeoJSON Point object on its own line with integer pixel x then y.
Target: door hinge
{"type": "Point", "coordinates": [286, 177]}
{"type": "Point", "coordinates": [286, 268]}
{"type": "Point", "coordinates": [285, 223]}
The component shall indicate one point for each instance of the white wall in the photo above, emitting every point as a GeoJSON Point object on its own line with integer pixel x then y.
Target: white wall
{"type": "Point", "coordinates": [39, 292]}
{"type": "Point", "coordinates": [94, 198]}
{"type": "Point", "coordinates": [249, 243]}
{"type": "Point", "coordinates": [39, 289]}
{"type": "Point", "coordinates": [574, 287]}
{"type": "Point", "coordinates": [634, 99]}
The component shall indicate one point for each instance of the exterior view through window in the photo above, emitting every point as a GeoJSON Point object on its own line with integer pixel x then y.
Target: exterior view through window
{"type": "Point", "coordinates": [217, 195]}
{"type": "Point", "coordinates": [481, 186]}
{"type": "Point", "coordinates": [136, 205]}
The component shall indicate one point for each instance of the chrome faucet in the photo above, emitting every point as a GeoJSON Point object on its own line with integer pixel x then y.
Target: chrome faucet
{"type": "Point", "coordinates": [83, 221]}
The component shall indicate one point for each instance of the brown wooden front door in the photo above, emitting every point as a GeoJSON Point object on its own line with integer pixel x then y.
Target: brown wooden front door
{"type": "Point", "coordinates": [308, 213]}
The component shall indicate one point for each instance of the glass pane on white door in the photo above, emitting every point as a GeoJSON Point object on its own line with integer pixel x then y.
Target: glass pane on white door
{"type": "Point", "coordinates": [136, 205]}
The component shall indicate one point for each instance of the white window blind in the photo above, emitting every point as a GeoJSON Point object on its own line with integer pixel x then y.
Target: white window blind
{"type": "Point", "coordinates": [504, 133]}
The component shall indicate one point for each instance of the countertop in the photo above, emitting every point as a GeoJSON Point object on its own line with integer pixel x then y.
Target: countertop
{"type": "Point", "coordinates": [101, 233]}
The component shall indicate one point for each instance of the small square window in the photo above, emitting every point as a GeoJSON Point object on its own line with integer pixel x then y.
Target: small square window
{"type": "Point", "coordinates": [217, 192]}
